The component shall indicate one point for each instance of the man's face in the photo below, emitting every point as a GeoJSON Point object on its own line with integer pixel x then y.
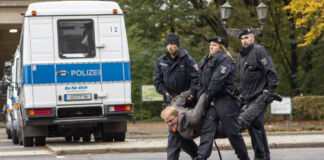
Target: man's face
{"type": "Point", "coordinates": [214, 47]}
{"type": "Point", "coordinates": [172, 48]}
{"type": "Point", "coordinates": [247, 40]}
{"type": "Point", "coordinates": [172, 121]}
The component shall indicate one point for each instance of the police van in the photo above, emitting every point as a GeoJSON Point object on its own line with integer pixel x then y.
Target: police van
{"type": "Point", "coordinates": [73, 73]}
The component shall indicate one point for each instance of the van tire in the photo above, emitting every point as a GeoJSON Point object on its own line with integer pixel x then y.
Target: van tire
{"type": "Point", "coordinates": [108, 137]}
{"type": "Point", "coordinates": [120, 137]}
{"type": "Point", "coordinates": [40, 141]}
{"type": "Point", "coordinates": [76, 138]}
{"type": "Point", "coordinates": [28, 141]}
{"type": "Point", "coordinates": [68, 139]}
{"type": "Point", "coordinates": [86, 138]}
{"type": "Point", "coordinates": [15, 138]}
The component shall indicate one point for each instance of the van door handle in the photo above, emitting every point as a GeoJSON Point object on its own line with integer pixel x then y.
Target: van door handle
{"type": "Point", "coordinates": [62, 73]}
{"type": "Point", "coordinates": [100, 45]}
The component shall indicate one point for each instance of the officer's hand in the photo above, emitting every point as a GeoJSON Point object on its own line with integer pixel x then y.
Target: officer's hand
{"type": "Point", "coordinates": [190, 97]}
{"type": "Point", "coordinates": [209, 99]}
{"type": "Point", "coordinates": [237, 92]}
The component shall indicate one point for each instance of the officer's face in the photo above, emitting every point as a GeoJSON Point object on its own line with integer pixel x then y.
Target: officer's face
{"type": "Point", "coordinates": [214, 47]}
{"type": "Point", "coordinates": [247, 40]}
{"type": "Point", "coordinates": [172, 48]}
{"type": "Point", "coordinates": [172, 121]}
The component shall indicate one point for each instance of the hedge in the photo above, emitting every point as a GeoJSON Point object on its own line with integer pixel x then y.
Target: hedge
{"type": "Point", "coordinates": [303, 108]}
{"type": "Point", "coordinates": [308, 107]}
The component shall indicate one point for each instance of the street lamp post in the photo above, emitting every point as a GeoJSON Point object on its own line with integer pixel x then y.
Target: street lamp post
{"type": "Point", "coordinates": [226, 9]}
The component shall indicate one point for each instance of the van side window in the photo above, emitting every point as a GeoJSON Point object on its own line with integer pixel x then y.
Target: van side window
{"type": "Point", "coordinates": [76, 39]}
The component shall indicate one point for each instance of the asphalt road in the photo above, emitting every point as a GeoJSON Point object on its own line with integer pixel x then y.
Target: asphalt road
{"type": "Point", "coordinates": [17, 152]}
{"type": "Point", "coordinates": [277, 154]}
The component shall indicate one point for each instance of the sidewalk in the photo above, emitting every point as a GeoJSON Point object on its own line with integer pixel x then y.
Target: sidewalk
{"type": "Point", "coordinates": [152, 137]}
{"type": "Point", "coordinates": [158, 144]}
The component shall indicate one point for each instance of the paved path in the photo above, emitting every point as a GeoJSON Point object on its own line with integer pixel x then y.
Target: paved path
{"type": "Point", "coordinates": [131, 145]}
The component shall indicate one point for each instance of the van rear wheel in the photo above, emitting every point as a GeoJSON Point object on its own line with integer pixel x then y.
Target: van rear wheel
{"type": "Point", "coordinates": [68, 139]}
{"type": "Point", "coordinates": [28, 141]}
{"type": "Point", "coordinates": [108, 137]}
{"type": "Point", "coordinates": [76, 138]}
{"type": "Point", "coordinates": [86, 138]}
{"type": "Point", "coordinates": [40, 141]}
{"type": "Point", "coordinates": [120, 137]}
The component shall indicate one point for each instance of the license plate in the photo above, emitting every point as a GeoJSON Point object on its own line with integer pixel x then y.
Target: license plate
{"type": "Point", "coordinates": [77, 97]}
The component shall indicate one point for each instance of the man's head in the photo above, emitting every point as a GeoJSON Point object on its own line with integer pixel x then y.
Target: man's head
{"type": "Point", "coordinates": [170, 116]}
{"type": "Point", "coordinates": [172, 42]}
{"type": "Point", "coordinates": [217, 44]}
{"type": "Point", "coordinates": [247, 38]}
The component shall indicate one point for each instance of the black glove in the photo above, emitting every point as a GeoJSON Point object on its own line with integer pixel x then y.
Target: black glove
{"type": "Point", "coordinates": [237, 92]}
{"type": "Point", "coordinates": [270, 96]}
{"type": "Point", "coordinates": [208, 102]}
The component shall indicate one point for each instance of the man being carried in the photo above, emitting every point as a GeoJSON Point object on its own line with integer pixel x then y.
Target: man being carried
{"type": "Point", "coordinates": [187, 122]}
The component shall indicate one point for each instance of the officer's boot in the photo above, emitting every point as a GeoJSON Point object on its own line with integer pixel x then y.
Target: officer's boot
{"type": "Point", "coordinates": [199, 157]}
{"type": "Point", "coordinates": [259, 158]}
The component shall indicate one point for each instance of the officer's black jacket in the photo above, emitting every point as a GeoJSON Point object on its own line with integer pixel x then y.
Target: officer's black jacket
{"type": "Point", "coordinates": [176, 76]}
{"type": "Point", "coordinates": [256, 72]}
{"type": "Point", "coordinates": [217, 73]}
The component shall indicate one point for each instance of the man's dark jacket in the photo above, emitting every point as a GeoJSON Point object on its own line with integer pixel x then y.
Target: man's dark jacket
{"type": "Point", "coordinates": [256, 71]}
{"type": "Point", "coordinates": [176, 75]}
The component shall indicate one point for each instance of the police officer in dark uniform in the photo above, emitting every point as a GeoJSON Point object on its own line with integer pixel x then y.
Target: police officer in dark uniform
{"type": "Point", "coordinates": [175, 72]}
{"type": "Point", "coordinates": [217, 77]}
{"type": "Point", "coordinates": [257, 73]}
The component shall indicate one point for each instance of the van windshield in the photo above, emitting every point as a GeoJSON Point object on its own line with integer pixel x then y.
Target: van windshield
{"type": "Point", "coordinates": [76, 39]}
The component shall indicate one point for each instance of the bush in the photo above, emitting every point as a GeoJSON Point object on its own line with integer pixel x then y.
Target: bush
{"type": "Point", "coordinates": [308, 107]}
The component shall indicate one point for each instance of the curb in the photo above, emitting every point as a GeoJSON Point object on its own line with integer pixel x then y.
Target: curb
{"type": "Point", "coordinates": [163, 149]}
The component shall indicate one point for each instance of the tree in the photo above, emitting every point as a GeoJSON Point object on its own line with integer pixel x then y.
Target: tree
{"type": "Point", "coordinates": [309, 17]}
{"type": "Point", "coordinates": [300, 69]}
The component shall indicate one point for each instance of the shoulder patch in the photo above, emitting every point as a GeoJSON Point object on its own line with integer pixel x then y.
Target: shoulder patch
{"type": "Point", "coordinates": [223, 69]}
{"type": "Point", "coordinates": [264, 61]}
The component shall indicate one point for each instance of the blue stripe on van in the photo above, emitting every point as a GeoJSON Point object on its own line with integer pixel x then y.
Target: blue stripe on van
{"type": "Point", "coordinates": [89, 72]}
{"type": "Point", "coordinates": [43, 74]}
{"type": "Point", "coordinates": [27, 75]}
{"type": "Point", "coordinates": [112, 72]}
{"type": "Point", "coordinates": [127, 71]}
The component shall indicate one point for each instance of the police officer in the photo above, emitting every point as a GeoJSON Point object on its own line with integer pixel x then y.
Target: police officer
{"type": "Point", "coordinates": [217, 75]}
{"type": "Point", "coordinates": [175, 72]}
{"type": "Point", "coordinates": [256, 73]}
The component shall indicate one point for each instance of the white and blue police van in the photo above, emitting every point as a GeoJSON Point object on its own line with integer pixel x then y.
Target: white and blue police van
{"type": "Point", "coordinates": [73, 73]}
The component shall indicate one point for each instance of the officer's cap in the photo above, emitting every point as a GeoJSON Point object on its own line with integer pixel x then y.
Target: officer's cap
{"type": "Point", "coordinates": [220, 40]}
{"type": "Point", "coordinates": [244, 32]}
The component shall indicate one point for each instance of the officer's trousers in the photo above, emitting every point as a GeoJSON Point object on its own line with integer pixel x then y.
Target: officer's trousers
{"type": "Point", "coordinates": [176, 142]}
{"type": "Point", "coordinates": [225, 110]}
{"type": "Point", "coordinates": [257, 131]}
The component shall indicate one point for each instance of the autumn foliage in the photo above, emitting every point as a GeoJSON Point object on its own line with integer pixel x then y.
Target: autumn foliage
{"type": "Point", "coordinates": [309, 18]}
